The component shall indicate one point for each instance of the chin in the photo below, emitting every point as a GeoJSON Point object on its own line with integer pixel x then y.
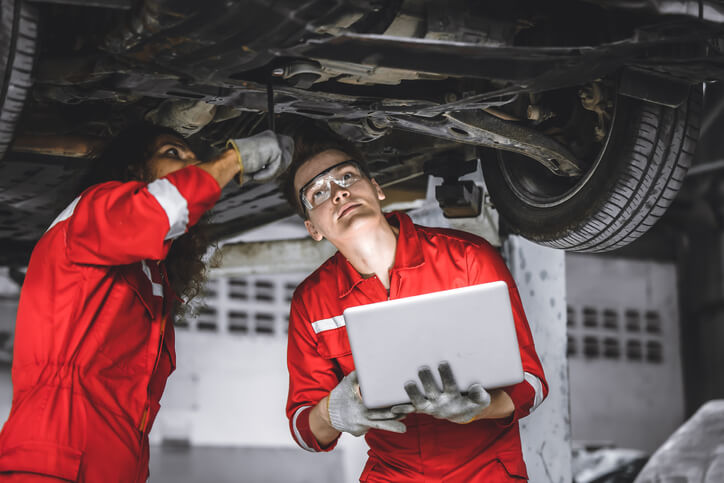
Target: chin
{"type": "Point", "coordinates": [360, 220]}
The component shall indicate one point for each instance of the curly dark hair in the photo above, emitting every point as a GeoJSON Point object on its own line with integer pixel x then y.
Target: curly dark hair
{"type": "Point", "coordinates": [309, 141]}
{"type": "Point", "coordinates": [125, 158]}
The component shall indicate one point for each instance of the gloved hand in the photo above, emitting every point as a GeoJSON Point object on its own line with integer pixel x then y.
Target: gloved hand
{"type": "Point", "coordinates": [349, 415]}
{"type": "Point", "coordinates": [263, 156]}
{"type": "Point", "coordinates": [449, 404]}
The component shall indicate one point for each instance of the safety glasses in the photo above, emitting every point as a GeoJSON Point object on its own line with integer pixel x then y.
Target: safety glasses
{"type": "Point", "coordinates": [319, 189]}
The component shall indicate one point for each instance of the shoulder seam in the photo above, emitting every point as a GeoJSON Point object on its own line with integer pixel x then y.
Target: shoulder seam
{"type": "Point", "coordinates": [451, 233]}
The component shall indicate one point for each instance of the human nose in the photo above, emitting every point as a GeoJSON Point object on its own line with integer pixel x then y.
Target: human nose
{"type": "Point", "coordinates": [338, 192]}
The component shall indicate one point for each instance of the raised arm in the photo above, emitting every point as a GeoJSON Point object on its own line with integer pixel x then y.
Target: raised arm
{"type": "Point", "coordinates": [118, 223]}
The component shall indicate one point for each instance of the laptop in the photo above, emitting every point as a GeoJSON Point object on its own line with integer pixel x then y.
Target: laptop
{"type": "Point", "coordinates": [470, 327]}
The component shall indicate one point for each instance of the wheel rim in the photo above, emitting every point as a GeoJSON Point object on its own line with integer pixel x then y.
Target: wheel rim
{"type": "Point", "coordinates": [536, 186]}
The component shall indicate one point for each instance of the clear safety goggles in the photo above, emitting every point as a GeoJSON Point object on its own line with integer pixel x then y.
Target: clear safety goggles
{"type": "Point", "coordinates": [319, 189]}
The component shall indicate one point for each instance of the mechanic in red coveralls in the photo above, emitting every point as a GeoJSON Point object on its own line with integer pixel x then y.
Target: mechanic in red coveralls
{"type": "Point", "coordinates": [447, 436]}
{"type": "Point", "coordinates": [93, 342]}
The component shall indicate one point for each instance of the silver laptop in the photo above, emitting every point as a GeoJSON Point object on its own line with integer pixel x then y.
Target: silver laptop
{"type": "Point", "coordinates": [470, 327]}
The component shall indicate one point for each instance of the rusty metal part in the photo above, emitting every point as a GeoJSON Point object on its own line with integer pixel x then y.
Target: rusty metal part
{"type": "Point", "coordinates": [183, 115]}
{"type": "Point", "coordinates": [482, 129]}
{"type": "Point", "coordinates": [593, 99]}
{"type": "Point", "coordinates": [279, 256]}
{"type": "Point", "coordinates": [65, 146]}
{"type": "Point", "coordinates": [501, 114]}
{"type": "Point", "coordinates": [301, 73]}
{"type": "Point", "coordinates": [365, 130]}
{"type": "Point", "coordinates": [538, 113]}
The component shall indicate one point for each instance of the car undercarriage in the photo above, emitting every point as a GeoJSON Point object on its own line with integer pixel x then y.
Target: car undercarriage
{"type": "Point", "coordinates": [559, 100]}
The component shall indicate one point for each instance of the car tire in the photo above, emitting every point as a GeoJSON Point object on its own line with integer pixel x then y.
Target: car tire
{"type": "Point", "coordinates": [18, 33]}
{"type": "Point", "coordinates": [627, 188]}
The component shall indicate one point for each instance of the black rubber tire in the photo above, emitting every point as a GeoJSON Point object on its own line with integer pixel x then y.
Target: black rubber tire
{"type": "Point", "coordinates": [18, 34]}
{"type": "Point", "coordinates": [627, 189]}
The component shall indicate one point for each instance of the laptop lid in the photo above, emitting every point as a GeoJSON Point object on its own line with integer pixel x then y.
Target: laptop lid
{"type": "Point", "coordinates": [470, 327]}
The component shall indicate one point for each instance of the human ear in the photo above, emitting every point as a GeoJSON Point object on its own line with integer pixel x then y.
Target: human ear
{"type": "Point", "coordinates": [313, 230]}
{"type": "Point", "coordinates": [380, 194]}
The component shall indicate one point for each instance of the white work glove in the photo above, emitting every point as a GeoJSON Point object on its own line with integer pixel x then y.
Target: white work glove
{"type": "Point", "coordinates": [449, 404]}
{"type": "Point", "coordinates": [349, 415]}
{"type": "Point", "coordinates": [263, 156]}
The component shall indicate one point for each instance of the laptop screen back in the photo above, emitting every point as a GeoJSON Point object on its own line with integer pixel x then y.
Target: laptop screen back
{"type": "Point", "coordinates": [470, 327]}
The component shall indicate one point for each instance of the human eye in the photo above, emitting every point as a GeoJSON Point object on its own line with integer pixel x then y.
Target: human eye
{"type": "Point", "coordinates": [318, 196]}
{"type": "Point", "coordinates": [316, 192]}
{"type": "Point", "coordinates": [172, 153]}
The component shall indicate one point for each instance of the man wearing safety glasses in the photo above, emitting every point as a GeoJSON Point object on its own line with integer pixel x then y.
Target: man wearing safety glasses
{"type": "Point", "coordinates": [444, 434]}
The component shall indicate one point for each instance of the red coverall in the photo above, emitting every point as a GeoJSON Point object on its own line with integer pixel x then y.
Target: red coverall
{"type": "Point", "coordinates": [318, 356]}
{"type": "Point", "coordinates": [93, 347]}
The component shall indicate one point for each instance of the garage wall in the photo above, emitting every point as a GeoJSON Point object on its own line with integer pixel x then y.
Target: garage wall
{"type": "Point", "coordinates": [230, 386]}
{"type": "Point", "coordinates": [229, 391]}
{"type": "Point", "coordinates": [623, 351]}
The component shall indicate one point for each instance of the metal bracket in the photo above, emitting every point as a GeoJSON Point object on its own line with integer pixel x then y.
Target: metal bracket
{"type": "Point", "coordinates": [482, 129]}
{"type": "Point", "coordinates": [653, 87]}
{"type": "Point", "coordinates": [457, 199]}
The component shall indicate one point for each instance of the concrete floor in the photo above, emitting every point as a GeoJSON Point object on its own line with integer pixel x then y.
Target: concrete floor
{"type": "Point", "coordinates": [243, 465]}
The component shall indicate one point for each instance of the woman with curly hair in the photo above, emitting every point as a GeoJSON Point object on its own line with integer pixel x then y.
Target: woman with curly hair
{"type": "Point", "coordinates": [93, 342]}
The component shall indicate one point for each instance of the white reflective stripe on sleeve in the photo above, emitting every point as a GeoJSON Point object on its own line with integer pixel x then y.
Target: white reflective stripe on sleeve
{"type": "Point", "coordinates": [156, 288]}
{"type": "Point", "coordinates": [328, 324]}
{"type": "Point", "coordinates": [297, 435]}
{"type": "Point", "coordinates": [65, 214]}
{"type": "Point", "coordinates": [174, 204]}
{"type": "Point", "coordinates": [537, 387]}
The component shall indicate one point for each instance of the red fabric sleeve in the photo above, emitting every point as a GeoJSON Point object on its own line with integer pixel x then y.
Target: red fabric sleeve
{"type": "Point", "coordinates": [486, 265]}
{"type": "Point", "coordinates": [311, 377]}
{"type": "Point", "coordinates": [118, 223]}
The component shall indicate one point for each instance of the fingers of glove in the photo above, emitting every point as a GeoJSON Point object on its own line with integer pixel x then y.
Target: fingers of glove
{"type": "Point", "coordinates": [388, 425]}
{"type": "Point", "coordinates": [449, 385]}
{"type": "Point", "coordinates": [358, 433]}
{"type": "Point", "coordinates": [346, 389]}
{"type": "Point", "coordinates": [351, 378]}
{"type": "Point", "coordinates": [479, 395]}
{"type": "Point", "coordinates": [256, 151]}
{"type": "Point", "coordinates": [268, 158]}
{"type": "Point", "coordinates": [395, 412]}
{"type": "Point", "coordinates": [352, 386]}
{"type": "Point", "coordinates": [402, 409]}
{"type": "Point", "coordinates": [246, 147]}
{"type": "Point", "coordinates": [268, 172]}
{"type": "Point", "coordinates": [429, 385]}
{"type": "Point", "coordinates": [419, 401]}
{"type": "Point", "coordinates": [380, 414]}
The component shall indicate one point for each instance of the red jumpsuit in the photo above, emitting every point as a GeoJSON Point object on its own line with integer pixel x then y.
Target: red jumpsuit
{"type": "Point", "coordinates": [93, 347]}
{"type": "Point", "coordinates": [318, 356]}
